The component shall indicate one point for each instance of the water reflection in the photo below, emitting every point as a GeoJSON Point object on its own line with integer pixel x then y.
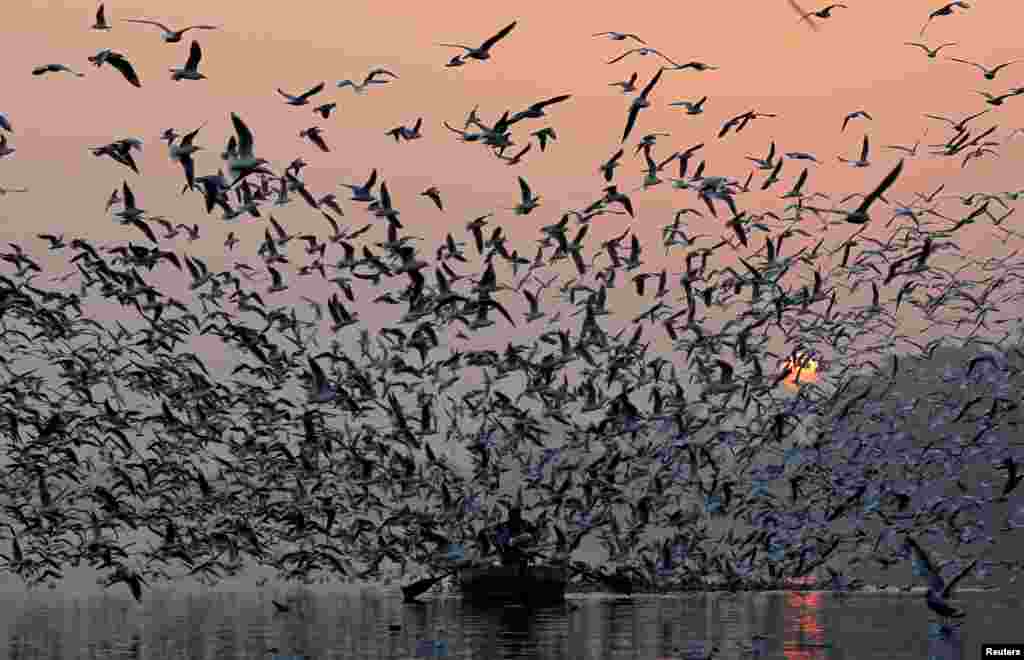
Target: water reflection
{"type": "Point", "coordinates": [372, 625]}
{"type": "Point", "coordinates": [805, 637]}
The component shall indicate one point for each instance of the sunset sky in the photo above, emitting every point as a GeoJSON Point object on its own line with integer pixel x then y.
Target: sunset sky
{"type": "Point", "coordinates": [769, 61]}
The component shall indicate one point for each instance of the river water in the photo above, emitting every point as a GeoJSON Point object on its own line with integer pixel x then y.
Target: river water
{"type": "Point", "coordinates": [375, 624]}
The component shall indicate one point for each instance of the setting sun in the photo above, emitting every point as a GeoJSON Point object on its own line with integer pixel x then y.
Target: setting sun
{"type": "Point", "coordinates": [799, 370]}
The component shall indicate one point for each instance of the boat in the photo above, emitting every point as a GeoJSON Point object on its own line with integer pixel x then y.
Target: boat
{"type": "Point", "coordinates": [534, 585]}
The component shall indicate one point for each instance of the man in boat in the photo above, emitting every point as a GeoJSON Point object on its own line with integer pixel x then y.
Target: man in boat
{"type": "Point", "coordinates": [512, 536]}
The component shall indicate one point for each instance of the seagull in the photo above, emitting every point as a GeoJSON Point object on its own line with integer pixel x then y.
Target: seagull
{"type": "Point", "coordinates": [643, 51]}
{"type": "Point", "coordinates": [534, 314]}
{"type": "Point", "coordinates": [54, 68]}
{"type": "Point", "coordinates": [402, 132]}
{"type": "Point", "coordinates": [370, 79]}
{"type": "Point", "coordinates": [244, 162]}
{"type": "Point", "coordinates": [990, 74]}
{"type": "Point", "coordinates": [627, 86]}
{"type": "Point", "coordinates": [4, 149]}
{"type": "Point", "coordinates": [118, 61]}
{"type": "Point", "coordinates": [191, 69]}
{"type": "Point", "coordinates": [859, 216]}
{"type": "Point", "coordinates": [363, 193]}
{"type": "Point", "coordinates": [543, 135]}
{"type": "Point", "coordinates": [325, 110]}
{"type": "Point", "coordinates": [767, 163]}
{"type": "Point", "coordinates": [797, 189]}
{"type": "Point", "coordinates": [536, 111]}
{"type": "Point", "coordinates": [170, 36]}
{"type": "Point", "coordinates": [313, 135]}
{"type": "Point", "coordinates": [301, 99]}
{"type": "Point", "coordinates": [483, 51]}
{"type": "Point", "coordinates": [101, 20]}
{"type": "Point", "coordinates": [696, 66]}
{"type": "Point", "coordinates": [129, 211]}
{"type": "Point", "coordinates": [692, 107]}
{"type": "Point", "coordinates": [4, 191]}
{"type": "Point", "coordinates": [959, 126]}
{"type": "Point", "coordinates": [938, 589]}
{"type": "Point", "coordinates": [854, 115]}
{"type": "Point", "coordinates": [320, 390]}
{"type": "Point", "coordinates": [824, 12]}
{"type": "Point", "coordinates": [932, 52]}
{"type": "Point", "coordinates": [801, 155]}
{"type": "Point", "coordinates": [5, 123]}
{"type": "Point", "coordinates": [514, 160]}
{"type": "Point", "coordinates": [383, 208]}
{"type": "Point", "coordinates": [993, 99]}
{"type": "Point", "coordinates": [863, 160]}
{"type": "Point", "coordinates": [608, 167]}
{"type": "Point", "coordinates": [182, 152]}
{"type": "Point", "coordinates": [639, 103]}
{"type": "Point", "coordinates": [528, 201]}
{"type": "Point", "coordinates": [618, 36]}
{"type": "Point", "coordinates": [804, 16]}
{"type": "Point", "coordinates": [435, 196]}
{"type": "Point", "coordinates": [944, 10]}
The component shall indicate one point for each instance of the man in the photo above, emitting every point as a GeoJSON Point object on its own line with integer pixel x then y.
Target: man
{"type": "Point", "coordinates": [509, 542]}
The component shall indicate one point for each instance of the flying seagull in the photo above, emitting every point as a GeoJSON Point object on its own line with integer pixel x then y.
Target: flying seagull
{"type": "Point", "coordinates": [191, 69]}
{"type": "Point", "coordinates": [932, 52]}
{"type": "Point", "coordinates": [303, 98]}
{"type": "Point", "coordinates": [639, 103]}
{"type": "Point", "coordinates": [118, 61]}
{"type": "Point", "coordinates": [990, 74]}
{"type": "Point", "coordinates": [824, 12]}
{"type": "Point", "coordinates": [54, 68]}
{"type": "Point", "coordinates": [101, 20]}
{"type": "Point", "coordinates": [859, 216]}
{"type": "Point", "coordinates": [170, 36]}
{"type": "Point", "coordinates": [313, 135]}
{"type": "Point", "coordinates": [483, 51]}
{"type": "Point", "coordinates": [618, 36]}
{"type": "Point", "coordinates": [944, 10]}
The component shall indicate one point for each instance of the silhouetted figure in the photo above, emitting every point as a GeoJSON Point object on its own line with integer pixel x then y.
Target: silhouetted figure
{"type": "Point", "coordinates": [511, 553]}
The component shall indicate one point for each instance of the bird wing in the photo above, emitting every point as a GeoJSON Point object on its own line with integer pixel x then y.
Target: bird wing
{"type": "Point", "coordinates": [559, 99]}
{"type": "Point", "coordinates": [145, 229]}
{"type": "Point", "coordinates": [884, 185]}
{"type": "Point", "coordinates": [148, 22]}
{"type": "Point", "coordinates": [319, 379]}
{"type": "Point", "coordinates": [630, 121]}
{"type": "Point", "coordinates": [244, 135]}
{"type": "Point", "coordinates": [948, 591]}
{"type": "Point", "coordinates": [315, 90]}
{"type": "Point", "coordinates": [194, 55]}
{"type": "Point", "coordinates": [623, 56]}
{"type": "Point", "coordinates": [127, 196]}
{"type": "Point", "coordinates": [974, 64]}
{"type": "Point", "coordinates": [498, 37]}
{"type": "Point", "coordinates": [372, 180]}
{"type": "Point", "coordinates": [864, 149]}
{"type": "Point", "coordinates": [524, 190]}
{"type": "Point", "coordinates": [125, 67]}
{"type": "Point", "coordinates": [651, 84]}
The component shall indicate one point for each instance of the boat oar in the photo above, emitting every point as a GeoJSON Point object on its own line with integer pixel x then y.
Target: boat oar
{"type": "Point", "coordinates": [410, 592]}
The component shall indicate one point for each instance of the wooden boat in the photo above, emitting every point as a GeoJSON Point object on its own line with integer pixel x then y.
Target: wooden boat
{"type": "Point", "coordinates": [541, 584]}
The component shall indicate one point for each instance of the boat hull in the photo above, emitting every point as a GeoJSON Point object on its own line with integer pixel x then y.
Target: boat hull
{"type": "Point", "coordinates": [534, 584]}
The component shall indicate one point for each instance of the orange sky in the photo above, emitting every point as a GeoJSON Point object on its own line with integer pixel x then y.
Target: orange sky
{"type": "Point", "coordinates": [768, 61]}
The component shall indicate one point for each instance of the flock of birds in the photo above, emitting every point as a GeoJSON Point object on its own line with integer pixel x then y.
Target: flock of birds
{"type": "Point", "coordinates": [332, 451]}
